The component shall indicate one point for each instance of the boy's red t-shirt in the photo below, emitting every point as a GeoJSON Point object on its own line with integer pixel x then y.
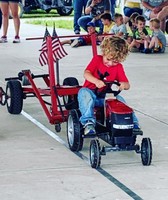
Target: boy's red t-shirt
{"type": "Point", "coordinates": [98, 69]}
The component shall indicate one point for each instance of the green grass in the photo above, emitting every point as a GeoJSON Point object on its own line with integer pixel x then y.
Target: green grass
{"type": "Point", "coordinates": [67, 24]}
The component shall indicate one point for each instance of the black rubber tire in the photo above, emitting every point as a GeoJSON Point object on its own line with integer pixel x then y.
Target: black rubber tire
{"type": "Point", "coordinates": [15, 97]}
{"type": "Point", "coordinates": [146, 151]}
{"type": "Point", "coordinates": [70, 101]}
{"type": "Point", "coordinates": [64, 11]}
{"type": "Point", "coordinates": [74, 131]}
{"type": "Point", "coordinates": [95, 156]}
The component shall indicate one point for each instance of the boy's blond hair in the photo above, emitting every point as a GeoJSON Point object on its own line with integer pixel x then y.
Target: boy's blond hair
{"type": "Point", "coordinates": [114, 48]}
{"type": "Point", "coordinates": [155, 23]}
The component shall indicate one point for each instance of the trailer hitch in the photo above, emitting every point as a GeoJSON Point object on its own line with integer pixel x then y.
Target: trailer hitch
{"type": "Point", "coordinates": [3, 97]}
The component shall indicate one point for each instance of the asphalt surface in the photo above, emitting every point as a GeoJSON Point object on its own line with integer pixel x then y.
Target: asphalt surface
{"type": "Point", "coordinates": [35, 161]}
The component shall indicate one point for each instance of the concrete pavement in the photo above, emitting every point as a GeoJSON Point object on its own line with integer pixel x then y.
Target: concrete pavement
{"type": "Point", "coordinates": [36, 166]}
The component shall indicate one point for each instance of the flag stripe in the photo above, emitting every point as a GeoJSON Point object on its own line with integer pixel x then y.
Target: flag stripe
{"type": "Point", "coordinates": [57, 49]}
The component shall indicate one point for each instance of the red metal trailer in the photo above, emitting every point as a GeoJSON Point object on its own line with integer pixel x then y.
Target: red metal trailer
{"type": "Point", "coordinates": [61, 97]}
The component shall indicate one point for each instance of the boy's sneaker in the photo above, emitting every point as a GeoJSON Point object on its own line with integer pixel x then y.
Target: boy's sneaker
{"type": "Point", "coordinates": [156, 50]}
{"type": "Point", "coordinates": [75, 43]}
{"type": "Point", "coordinates": [146, 51]}
{"type": "Point", "coordinates": [89, 129]}
{"type": "Point", "coordinates": [137, 130]}
{"type": "Point", "coordinates": [3, 39]}
{"type": "Point", "coordinates": [16, 39]}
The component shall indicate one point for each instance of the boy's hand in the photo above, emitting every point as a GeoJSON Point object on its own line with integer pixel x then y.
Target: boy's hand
{"type": "Point", "coordinates": [99, 84]}
{"type": "Point", "coordinates": [124, 86]}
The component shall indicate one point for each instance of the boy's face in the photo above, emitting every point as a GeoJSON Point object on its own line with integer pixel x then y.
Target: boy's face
{"type": "Point", "coordinates": [107, 61]}
{"type": "Point", "coordinates": [151, 26]}
{"type": "Point", "coordinates": [119, 20]}
{"type": "Point", "coordinates": [91, 29]}
{"type": "Point", "coordinates": [105, 21]}
{"type": "Point", "coordinates": [140, 25]}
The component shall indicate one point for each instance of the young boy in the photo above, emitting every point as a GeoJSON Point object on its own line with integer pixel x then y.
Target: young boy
{"type": "Point", "coordinates": [114, 50]}
{"type": "Point", "coordinates": [140, 35]}
{"type": "Point", "coordinates": [132, 19]}
{"type": "Point", "coordinates": [107, 22]}
{"type": "Point", "coordinates": [158, 40]}
{"type": "Point", "coordinates": [83, 40]}
{"type": "Point", "coordinates": [133, 28]}
{"type": "Point", "coordinates": [119, 29]}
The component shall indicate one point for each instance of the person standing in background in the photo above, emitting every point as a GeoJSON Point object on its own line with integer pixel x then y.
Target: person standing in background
{"type": "Point", "coordinates": [79, 7]}
{"type": "Point", "coordinates": [12, 5]}
{"type": "Point", "coordinates": [113, 6]}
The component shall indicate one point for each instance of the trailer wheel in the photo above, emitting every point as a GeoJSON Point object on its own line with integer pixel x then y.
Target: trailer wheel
{"type": "Point", "coordinates": [14, 97]}
{"type": "Point", "coordinates": [70, 101]}
{"type": "Point", "coordinates": [146, 151]}
{"type": "Point", "coordinates": [95, 157]}
{"type": "Point", "coordinates": [74, 133]}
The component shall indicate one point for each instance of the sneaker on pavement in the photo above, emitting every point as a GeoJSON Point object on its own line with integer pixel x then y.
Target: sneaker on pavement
{"type": "Point", "coordinates": [3, 39]}
{"type": "Point", "coordinates": [16, 39]}
{"type": "Point", "coordinates": [75, 43]}
{"type": "Point", "coordinates": [146, 51]}
{"type": "Point", "coordinates": [89, 129]}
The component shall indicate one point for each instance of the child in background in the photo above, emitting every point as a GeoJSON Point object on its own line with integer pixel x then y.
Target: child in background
{"type": "Point", "coordinates": [119, 29]}
{"type": "Point", "coordinates": [158, 40]}
{"type": "Point", "coordinates": [133, 17]}
{"type": "Point", "coordinates": [132, 26]}
{"type": "Point", "coordinates": [83, 40]}
{"type": "Point", "coordinates": [114, 50]}
{"type": "Point", "coordinates": [108, 23]}
{"type": "Point", "coordinates": [140, 35]}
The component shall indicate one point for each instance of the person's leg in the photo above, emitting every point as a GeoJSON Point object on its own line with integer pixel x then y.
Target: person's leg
{"type": "Point", "coordinates": [162, 17]}
{"type": "Point", "coordinates": [66, 42]}
{"type": "Point", "coordinates": [82, 21]}
{"type": "Point", "coordinates": [78, 6]}
{"type": "Point", "coordinates": [113, 5]}
{"type": "Point", "coordinates": [5, 17]}
{"type": "Point", "coordinates": [14, 10]}
{"type": "Point", "coordinates": [0, 18]}
{"type": "Point", "coordinates": [126, 11]}
{"type": "Point", "coordinates": [86, 99]}
{"type": "Point", "coordinates": [153, 43]}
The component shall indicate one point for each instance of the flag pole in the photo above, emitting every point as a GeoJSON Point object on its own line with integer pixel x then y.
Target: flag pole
{"type": "Point", "coordinates": [57, 61]}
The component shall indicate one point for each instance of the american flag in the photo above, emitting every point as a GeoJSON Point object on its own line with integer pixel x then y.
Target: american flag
{"type": "Point", "coordinates": [57, 48]}
{"type": "Point", "coordinates": [43, 58]}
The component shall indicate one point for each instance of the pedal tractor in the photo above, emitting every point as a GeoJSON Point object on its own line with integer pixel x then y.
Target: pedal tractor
{"type": "Point", "coordinates": [114, 125]}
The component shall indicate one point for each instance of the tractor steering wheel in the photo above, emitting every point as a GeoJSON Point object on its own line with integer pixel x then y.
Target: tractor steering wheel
{"type": "Point", "coordinates": [109, 88]}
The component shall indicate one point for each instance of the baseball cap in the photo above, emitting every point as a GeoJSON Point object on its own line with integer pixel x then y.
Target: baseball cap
{"type": "Point", "coordinates": [91, 24]}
